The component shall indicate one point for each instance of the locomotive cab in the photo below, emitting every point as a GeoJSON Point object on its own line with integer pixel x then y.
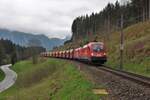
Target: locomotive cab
{"type": "Point", "coordinates": [98, 52]}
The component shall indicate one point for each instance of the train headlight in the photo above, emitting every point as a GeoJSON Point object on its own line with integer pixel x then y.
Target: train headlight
{"type": "Point", "coordinates": [92, 54]}
{"type": "Point", "coordinates": [104, 53]}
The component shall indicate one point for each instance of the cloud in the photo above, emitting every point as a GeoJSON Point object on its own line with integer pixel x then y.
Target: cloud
{"type": "Point", "coordinates": [50, 17]}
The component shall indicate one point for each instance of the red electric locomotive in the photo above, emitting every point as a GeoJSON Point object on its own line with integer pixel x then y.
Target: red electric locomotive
{"type": "Point", "coordinates": [94, 52]}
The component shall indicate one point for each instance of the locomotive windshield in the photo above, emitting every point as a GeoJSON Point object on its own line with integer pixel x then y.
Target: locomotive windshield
{"type": "Point", "coordinates": [97, 47]}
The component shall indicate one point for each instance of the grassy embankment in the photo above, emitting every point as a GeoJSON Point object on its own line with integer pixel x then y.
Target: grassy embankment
{"type": "Point", "coordinates": [49, 80]}
{"type": "Point", "coordinates": [136, 52]}
{"type": "Point", "coordinates": [136, 49]}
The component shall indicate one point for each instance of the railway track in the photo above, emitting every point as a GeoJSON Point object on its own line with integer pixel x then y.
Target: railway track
{"type": "Point", "coordinates": [142, 80]}
{"type": "Point", "coordinates": [145, 81]}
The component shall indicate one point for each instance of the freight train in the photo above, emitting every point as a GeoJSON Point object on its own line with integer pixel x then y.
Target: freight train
{"type": "Point", "coordinates": [93, 52]}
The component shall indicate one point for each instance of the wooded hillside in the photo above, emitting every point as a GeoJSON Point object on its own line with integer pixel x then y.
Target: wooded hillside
{"type": "Point", "coordinates": [109, 19]}
{"type": "Point", "coordinates": [10, 53]}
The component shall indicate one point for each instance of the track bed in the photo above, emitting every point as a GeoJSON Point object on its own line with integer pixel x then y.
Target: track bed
{"type": "Point", "coordinates": [119, 88]}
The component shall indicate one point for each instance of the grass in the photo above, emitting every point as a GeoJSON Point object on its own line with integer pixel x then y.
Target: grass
{"type": "Point", "coordinates": [49, 80]}
{"type": "Point", "coordinates": [138, 68]}
{"type": "Point", "coordinates": [2, 75]}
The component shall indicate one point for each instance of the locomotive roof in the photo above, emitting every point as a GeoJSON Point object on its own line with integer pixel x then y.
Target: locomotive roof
{"type": "Point", "coordinates": [96, 43]}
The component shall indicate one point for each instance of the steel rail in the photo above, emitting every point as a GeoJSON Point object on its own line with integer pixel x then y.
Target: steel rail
{"type": "Point", "coordinates": [143, 80]}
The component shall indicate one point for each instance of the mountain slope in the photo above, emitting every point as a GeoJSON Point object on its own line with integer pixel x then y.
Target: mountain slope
{"type": "Point", "coordinates": [24, 39]}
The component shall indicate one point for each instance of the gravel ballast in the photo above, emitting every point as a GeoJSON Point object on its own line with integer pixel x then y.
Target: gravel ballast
{"type": "Point", "coordinates": [118, 87]}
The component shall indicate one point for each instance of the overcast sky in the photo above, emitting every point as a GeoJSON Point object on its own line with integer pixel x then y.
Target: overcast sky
{"type": "Point", "coordinates": [50, 17]}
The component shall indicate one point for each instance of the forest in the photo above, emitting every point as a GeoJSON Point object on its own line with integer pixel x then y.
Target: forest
{"type": "Point", "coordinates": [109, 19]}
{"type": "Point", "coordinates": [11, 53]}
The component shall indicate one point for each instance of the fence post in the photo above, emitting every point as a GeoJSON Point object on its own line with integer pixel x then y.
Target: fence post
{"type": "Point", "coordinates": [121, 42]}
